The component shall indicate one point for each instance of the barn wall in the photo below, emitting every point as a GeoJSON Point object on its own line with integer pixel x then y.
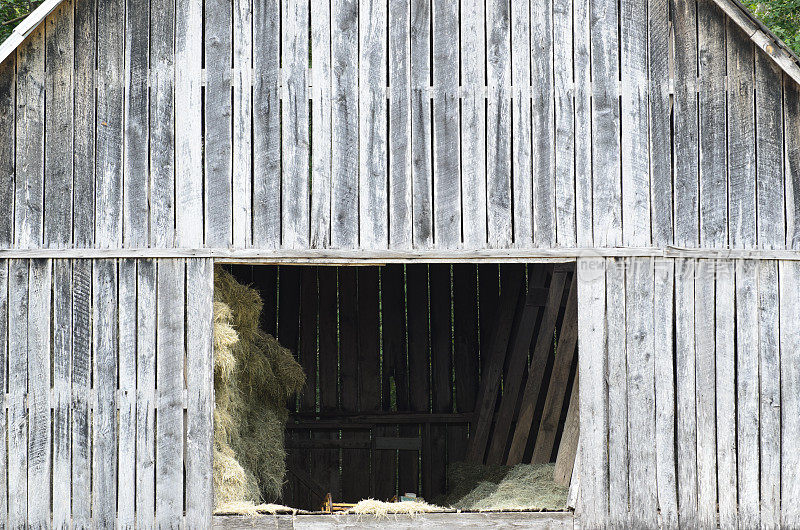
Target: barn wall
{"type": "Point", "coordinates": [109, 392]}
{"type": "Point", "coordinates": [689, 392]}
{"type": "Point", "coordinates": [163, 124]}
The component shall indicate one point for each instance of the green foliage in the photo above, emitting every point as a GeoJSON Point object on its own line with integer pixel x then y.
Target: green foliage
{"type": "Point", "coordinates": [12, 12]}
{"type": "Point", "coordinates": [782, 17]}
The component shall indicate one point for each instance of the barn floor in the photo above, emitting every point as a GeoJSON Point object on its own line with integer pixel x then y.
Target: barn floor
{"type": "Point", "coordinates": [412, 369]}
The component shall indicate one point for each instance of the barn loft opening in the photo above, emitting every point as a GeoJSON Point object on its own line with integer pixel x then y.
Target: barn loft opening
{"type": "Point", "coordinates": [452, 383]}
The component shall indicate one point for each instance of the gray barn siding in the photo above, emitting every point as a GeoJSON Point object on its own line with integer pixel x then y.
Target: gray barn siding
{"type": "Point", "coordinates": [498, 144]}
{"type": "Point", "coordinates": [730, 385]}
{"type": "Point", "coordinates": [99, 404]}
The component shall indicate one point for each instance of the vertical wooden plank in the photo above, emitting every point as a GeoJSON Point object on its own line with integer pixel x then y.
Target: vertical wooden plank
{"type": "Point", "coordinates": [593, 390]}
{"type": "Point", "coordinates": [325, 462]}
{"type": "Point", "coordinates": [541, 354]}
{"type": "Point", "coordinates": [84, 122]}
{"type": "Point", "coordinates": [400, 189]}
{"type": "Point", "coordinates": [606, 192]}
{"type": "Point", "coordinates": [583, 122]}
{"type": "Point", "coordinates": [465, 353]}
{"type": "Point", "coordinates": [17, 383]}
{"type": "Point", "coordinates": [660, 108]}
{"type": "Point", "coordinates": [617, 369]}
{"type": "Point", "coordinates": [145, 391]}
{"type": "Point", "coordinates": [217, 120]}
{"type": "Point", "coordinates": [188, 132]}
{"type": "Point", "coordinates": [81, 382]}
{"type": "Point", "coordinates": [126, 463]}
{"type": "Point", "coordinates": [170, 357]}
{"type": "Point", "coordinates": [447, 148]}
{"type": "Point", "coordinates": [559, 381]}
{"type": "Point", "coordinates": [635, 153]}
{"type": "Point", "coordinates": [421, 176]}
{"type": "Point", "coordinates": [8, 131]}
{"type": "Point", "coordinates": [353, 484]}
{"type": "Point", "coordinates": [685, 145]}
{"type": "Point", "coordinates": [295, 135]}
{"type": "Point", "coordinates": [200, 385]}
{"type": "Point", "coordinates": [791, 117]}
{"type": "Point", "coordinates": [544, 149]}
{"type": "Point", "coordinates": [473, 122]}
{"type": "Point", "coordinates": [4, 358]}
{"type": "Point", "coordinates": [243, 33]}
{"type": "Point", "coordinates": [726, 395]}
{"type": "Point", "coordinates": [769, 149]}
{"type": "Point", "coordinates": [267, 120]}
{"type": "Point", "coordinates": [38, 395]}
{"type": "Point", "coordinates": [419, 388]}
{"type": "Point", "coordinates": [521, 161]}
{"type": "Point", "coordinates": [59, 107]}
{"type": "Point", "coordinates": [28, 207]}
{"type": "Point", "coordinates": [563, 53]}
{"type": "Point", "coordinates": [104, 415]}
{"type": "Point", "coordinates": [770, 392]}
{"type": "Point", "coordinates": [372, 120]}
{"type": "Point", "coordinates": [110, 123]}
{"type": "Point", "coordinates": [162, 118]}
{"type": "Point", "coordinates": [704, 339]}
{"type": "Point", "coordinates": [664, 355]}
{"type": "Point", "coordinates": [62, 395]}
{"type": "Point", "coordinates": [685, 391]}
{"type": "Point", "coordinates": [497, 346]}
{"type": "Point", "coordinates": [568, 446]}
{"type": "Point", "coordinates": [321, 133]}
{"type": "Point", "coordinates": [640, 345]}
{"type": "Point", "coordinates": [713, 181]}
{"type": "Point", "coordinates": [344, 95]}
{"type": "Point", "coordinates": [498, 123]}
{"type": "Point", "coordinates": [135, 210]}
{"type": "Point", "coordinates": [790, 392]}
{"type": "Point", "coordinates": [741, 138]}
{"type": "Point", "coordinates": [442, 370]}
{"type": "Point", "coordinates": [747, 392]}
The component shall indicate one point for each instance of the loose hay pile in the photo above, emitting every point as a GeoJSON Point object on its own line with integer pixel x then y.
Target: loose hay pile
{"type": "Point", "coordinates": [499, 488]}
{"type": "Point", "coordinates": [253, 378]}
{"type": "Point", "coordinates": [382, 509]}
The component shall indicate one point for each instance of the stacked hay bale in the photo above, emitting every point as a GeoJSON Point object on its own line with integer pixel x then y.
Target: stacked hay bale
{"type": "Point", "coordinates": [254, 376]}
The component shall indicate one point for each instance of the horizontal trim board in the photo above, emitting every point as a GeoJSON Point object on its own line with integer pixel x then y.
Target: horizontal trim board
{"type": "Point", "coordinates": [346, 257]}
{"type": "Point", "coordinates": [437, 520]}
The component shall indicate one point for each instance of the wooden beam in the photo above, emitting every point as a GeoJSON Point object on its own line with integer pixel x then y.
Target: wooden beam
{"type": "Point", "coordinates": [568, 448]}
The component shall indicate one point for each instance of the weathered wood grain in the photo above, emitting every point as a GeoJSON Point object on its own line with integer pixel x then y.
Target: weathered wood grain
{"type": "Point", "coordinates": [145, 391]}
{"type": "Point", "coordinates": [421, 156]}
{"type": "Point", "coordinates": [218, 132]}
{"type": "Point", "coordinates": [726, 394]}
{"type": "Point", "coordinates": [321, 133]}
{"type": "Point", "coordinates": [521, 119]}
{"type": "Point", "coordinates": [58, 111]}
{"type": "Point", "coordinates": [498, 124]}
{"type": "Point", "coordinates": [18, 298]}
{"type": "Point", "coordinates": [295, 125]}
{"type": "Point", "coordinates": [244, 31]}
{"type": "Point", "coordinates": [58, 512]}
{"type": "Point", "coordinates": [583, 122]}
{"type": "Point", "coordinates": [188, 120]}
{"type": "Point", "coordinates": [769, 359]}
{"type": "Point", "coordinates": [81, 374]}
{"type": "Point", "coordinates": [747, 393]}
{"type": "Point", "coordinates": [446, 147]}
{"type": "Point", "coordinates": [267, 118]}
{"type": "Point", "coordinates": [200, 386]}
{"type": "Point", "coordinates": [29, 150]}
{"type": "Point", "coordinates": [660, 118]}
{"type": "Point", "coordinates": [711, 94]}
{"type": "Point", "coordinates": [104, 416]}
{"type": "Point", "coordinates": [593, 390]}
{"type": "Point", "coordinates": [789, 279]}
{"type": "Point", "coordinates": [741, 139]}
{"type": "Point", "coordinates": [162, 119]}
{"type": "Point", "coordinates": [568, 446]}
{"type": "Point", "coordinates": [126, 456]}
{"type": "Point", "coordinates": [170, 358]}
{"type": "Point", "coordinates": [85, 28]}
{"type": "Point", "coordinates": [7, 158]}
{"type": "Point", "coordinates": [344, 112]}
{"type": "Point", "coordinates": [565, 122]}
{"type": "Point", "coordinates": [791, 99]}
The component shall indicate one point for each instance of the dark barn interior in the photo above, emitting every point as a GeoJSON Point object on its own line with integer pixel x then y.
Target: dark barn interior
{"type": "Point", "coordinates": [413, 367]}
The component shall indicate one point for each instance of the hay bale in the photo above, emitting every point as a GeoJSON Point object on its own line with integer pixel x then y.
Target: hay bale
{"type": "Point", "coordinates": [500, 488]}
{"type": "Point", "coordinates": [253, 378]}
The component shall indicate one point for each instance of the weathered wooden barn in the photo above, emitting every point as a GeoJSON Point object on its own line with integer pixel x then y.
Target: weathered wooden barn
{"type": "Point", "coordinates": [655, 143]}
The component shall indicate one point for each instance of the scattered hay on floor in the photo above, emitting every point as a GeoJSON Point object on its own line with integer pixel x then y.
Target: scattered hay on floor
{"type": "Point", "coordinates": [253, 378]}
{"type": "Point", "coordinates": [253, 510]}
{"type": "Point", "coordinates": [382, 509]}
{"type": "Point", "coordinates": [501, 488]}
